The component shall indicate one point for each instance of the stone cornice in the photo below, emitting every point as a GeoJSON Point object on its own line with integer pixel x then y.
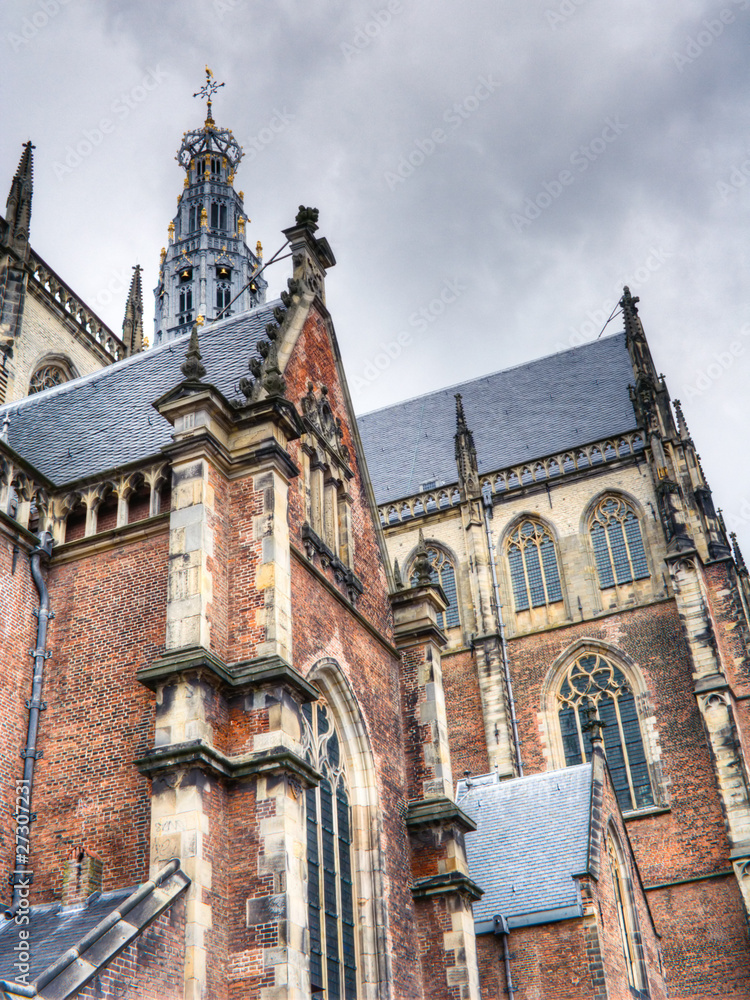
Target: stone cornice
{"type": "Point", "coordinates": [438, 811]}
{"type": "Point", "coordinates": [197, 753]}
{"type": "Point", "coordinates": [237, 676]}
{"type": "Point", "coordinates": [444, 885]}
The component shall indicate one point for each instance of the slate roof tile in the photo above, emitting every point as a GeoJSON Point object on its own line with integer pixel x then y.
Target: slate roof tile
{"type": "Point", "coordinates": [531, 837]}
{"type": "Point", "coordinates": [103, 421]}
{"type": "Point", "coordinates": [523, 413]}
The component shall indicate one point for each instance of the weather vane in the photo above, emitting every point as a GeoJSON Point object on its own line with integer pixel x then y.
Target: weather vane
{"type": "Point", "coordinates": [208, 90]}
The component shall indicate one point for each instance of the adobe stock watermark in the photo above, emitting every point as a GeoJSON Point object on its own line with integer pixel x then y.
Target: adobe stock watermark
{"type": "Point", "coordinates": [454, 116]}
{"type": "Point", "coordinates": [371, 29]}
{"type": "Point", "coordinates": [563, 12]}
{"type": "Point", "coordinates": [419, 321]}
{"type": "Point", "coordinates": [118, 285]}
{"type": "Point", "coordinates": [723, 361]}
{"type": "Point", "coordinates": [276, 124]}
{"type": "Point", "coordinates": [22, 879]}
{"type": "Point", "coordinates": [581, 158]}
{"type": "Point", "coordinates": [710, 29]}
{"type": "Point", "coordinates": [737, 179]}
{"type": "Point", "coordinates": [596, 319]}
{"type": "Point", "coordinates": [32, 24]}
{"type": "Point", "coordinates": [122, 108]}
{"type": "Point", "coordinates": [224, 7]}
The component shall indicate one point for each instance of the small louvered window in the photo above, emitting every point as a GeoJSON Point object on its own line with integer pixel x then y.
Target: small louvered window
{"type": "Point", "coordinates": [618, 543]}
{"type": "Point", "coordinates": [594, 687]}
{"type": "Point", "coordinates": [533, 566]}
{"type": "Point", "coordinates": [330, 894]}
{"type": "Point", "coordinates": [443, 574]}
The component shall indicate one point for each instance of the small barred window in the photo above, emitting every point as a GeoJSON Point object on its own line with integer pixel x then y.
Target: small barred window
{"type": "Point", "coordinates": [47, 377]}
{"type": "Point", "coordinates": [618, 543]}
{"type": "Point", "coordinates": [533, 566]}
{"type": "Point", "coordinates": [330, 893]}
{"type": "Point", "coordinates": [443, 573]}
{"type": "Point", "coordinates": [593, 685]}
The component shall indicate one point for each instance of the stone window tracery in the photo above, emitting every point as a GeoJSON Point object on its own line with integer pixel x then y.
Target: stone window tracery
{"type": "Point", "coordinates": [534, 571]}
{"type": "Point", "coordinates": [618, 543]}
{"type": "Point", "coordinates": [47, 376]}
{"type": "Point", "coordinates": [444, 574]}
{"type": "Point", "coordinates": [592, 685]}
{"type": "Point", "coordinates": [330, 893]}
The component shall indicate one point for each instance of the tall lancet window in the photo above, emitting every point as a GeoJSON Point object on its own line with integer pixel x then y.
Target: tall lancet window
{"type": "Point", "coordinates": [533, 566]}
{"type": "Point", "coordinates": [593, 684]}
{"type": "Point", "coordinates": [330, 896]}
{"type": "Point", "coordinates": [618, 543]}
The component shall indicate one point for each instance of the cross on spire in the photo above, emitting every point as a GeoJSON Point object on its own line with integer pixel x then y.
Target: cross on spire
{"type": "Point", "coordinates": [208, 90]}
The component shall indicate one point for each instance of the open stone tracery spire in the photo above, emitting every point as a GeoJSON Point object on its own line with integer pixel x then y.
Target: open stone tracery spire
{"type": "Point", "coordinates": [207, 268]}
{"type": "Point", "coordinates": [18, 206]}
{"type": "Point", "coordinates": [132, 325]}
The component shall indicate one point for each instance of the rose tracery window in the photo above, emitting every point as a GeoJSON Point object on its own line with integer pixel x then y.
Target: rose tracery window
{"type": "Point", "coordinates": [533, 567]}
{"type": "Point", "coordinates": [618, 543]}
{"type": "Point", "coordinates": [593, 685]}
{"type": "Point", "coordinates": [443, 573]}
{"type": "Point", "coordinates": [46, 377]}
{"type": "Point", "coordinates": [330, 895]}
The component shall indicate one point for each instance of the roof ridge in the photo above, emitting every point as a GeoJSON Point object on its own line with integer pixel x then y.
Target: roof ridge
{"type": "Point", "coordinates": [489, 375]}
{"type": "Point", "coordinates": [141, 356]}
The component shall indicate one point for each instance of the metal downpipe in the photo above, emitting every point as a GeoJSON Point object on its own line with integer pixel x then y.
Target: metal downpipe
{"type": "Point", "coordinates": [487, 503]}
{"type": "Point", "coordinates": [502, 930]}
{"type": "Point", "coordinates": [21, 876]}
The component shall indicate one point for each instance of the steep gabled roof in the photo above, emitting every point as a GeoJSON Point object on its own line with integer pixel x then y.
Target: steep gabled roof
{"type": "Point", "coordinates": [67, 946]}
{"type": "Point", "coordinates": [523, 413]}
{"type": "Point", "coordinates": [532, 836]}
{"type": "Point", "coordinates": [103, 421]}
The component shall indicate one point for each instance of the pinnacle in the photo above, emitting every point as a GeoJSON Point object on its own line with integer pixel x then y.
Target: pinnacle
{"type": "Point", "coordinates": [192, 367]}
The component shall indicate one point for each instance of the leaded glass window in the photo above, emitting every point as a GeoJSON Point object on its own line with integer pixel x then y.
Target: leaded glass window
{"type": "Point", "coordinates": [46, 377]}
{"type": "Point", "coordinates": [624, 916]}
{"type": "Point", "coordinates": [618, 543]}
{"type": "Point", "coordinates": [443, 573]}
{"type": "Point", "coordinates": [330, 895]}
{"type": "Point", "coordinates": [593, 685]}
{"type": "Point", "coordinates": [533, 566]}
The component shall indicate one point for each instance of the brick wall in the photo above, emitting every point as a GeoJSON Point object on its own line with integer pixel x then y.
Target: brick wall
{"type": "Point", "coordinates": [109, 621]}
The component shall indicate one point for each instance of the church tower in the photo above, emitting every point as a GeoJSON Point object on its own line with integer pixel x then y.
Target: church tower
{"type": "Point", "coordinates": [207, 269]}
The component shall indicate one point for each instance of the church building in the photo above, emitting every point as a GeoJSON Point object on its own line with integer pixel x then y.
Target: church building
{"type": "Point", "coordinates": [444, 702]}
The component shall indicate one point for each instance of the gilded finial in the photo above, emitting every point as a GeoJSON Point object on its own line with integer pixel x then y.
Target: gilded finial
{"type": "Point", "coordinates": [241, 225]}
{"type": "Point", "coordinates": [204, 217]}
{"type": "Point", "coordinates": [207, 91]}
{"type": "Point", "coordinates": [259, 250]}
{"type": "Point", "coordinates": [200, 320]}
{"type": "Point", "coordinates": [170, 231]}
{"type": "Point", "coordinates": [163, 254]}
{"type": "Point", "coordinates": [241, 195]}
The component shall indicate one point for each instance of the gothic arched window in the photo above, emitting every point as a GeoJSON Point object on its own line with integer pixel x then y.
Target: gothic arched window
{"type": "Point", "coordinates": [47, 376]}
{"type": "Point", "coordinates": [443, 573]}
{"type": "Point", "coordinates": [592, 685]}
{"type": "Point", "coordinates": [222, 297]}
{"type": "Point", "coordinates": [533, 566]}
{"type": "Point", "coordinates": [618, 543]}
{"type": "Point", "coordinates": [626, 918]}
{"type": "Point", "coordinates": [330, 893]}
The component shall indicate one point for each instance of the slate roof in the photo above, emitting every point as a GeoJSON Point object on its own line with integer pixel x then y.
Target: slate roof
{"type": "Point", "coordinates": [531, 837]}
{"type": "Point", "coordinates": [535, 409]}
{"type": "Point", "coordinates": [52, 930]}
{"type": "Point", "coordinates": [103, 421]}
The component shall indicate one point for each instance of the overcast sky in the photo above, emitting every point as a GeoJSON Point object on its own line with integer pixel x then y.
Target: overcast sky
{"type": "Point", "coordinates": [489, 173]}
